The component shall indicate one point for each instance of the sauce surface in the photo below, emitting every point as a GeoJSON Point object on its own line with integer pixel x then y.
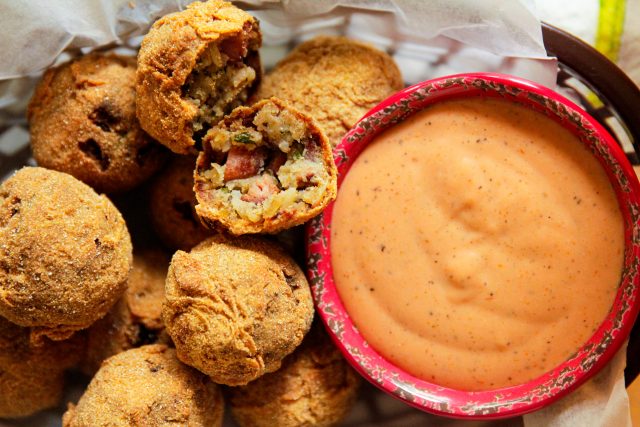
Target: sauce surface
{"type": "Point", "coordinates": [477, 245]}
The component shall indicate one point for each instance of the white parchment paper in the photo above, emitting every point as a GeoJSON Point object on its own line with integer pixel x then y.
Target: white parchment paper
{"type": "Point", "coordinates": [427, 38]}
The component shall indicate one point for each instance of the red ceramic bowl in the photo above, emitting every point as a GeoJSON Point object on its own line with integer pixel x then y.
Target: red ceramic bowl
{"type": "Point", "coordinates": [509, 401]}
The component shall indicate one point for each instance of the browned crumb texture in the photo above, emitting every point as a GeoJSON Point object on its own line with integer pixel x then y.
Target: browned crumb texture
{"type": "Point", "coordinates": [147, 386]}
{"type": "Point", "coordinates": [194, 67]}
{"type": "Point", "coordinates": [236, 307]}
{"type": "Point", "coordinates": [172, 206]}
{"type": "Point", "coordinates": [82, 120]}
{"type": "Point", "coordinates": [136, 319]}
{"type": "Point", "coordinates": [264, 168]}
{"type": "Point", "coordinates": [315, 387]}
{"type": "Point", "coordinates": [32, 377]}
{"type": "Point", "coordinates": [335, 80]}
{"type": "Point", "coordinates": [65, 252]}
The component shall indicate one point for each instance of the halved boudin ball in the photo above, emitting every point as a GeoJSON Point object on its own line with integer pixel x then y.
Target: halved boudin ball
{"type": "Point", "coordinates": [263, 169]}
{"type": "Point", "coordinates": [82, 120]}
{"type": "Point", "coordinates": [147, 386]}
{"type": "Point", "coordinates": [315, 387]}
{"type": "Point", "coordinates": [65, 252]}
{"type": "Point", "coordinates": [194, 67]}
{"type": "Point", "coordinates": [236, 307]}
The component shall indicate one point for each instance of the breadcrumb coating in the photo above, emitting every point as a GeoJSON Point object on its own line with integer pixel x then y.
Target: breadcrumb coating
{"type": "Point", "coordinates": [236, 307]}
{"type": "Point", "coordinates": [82, 121]}
{"type": "Point", "coordinates": [335, 80]}
{"type": "Point", "coordinates": [65, 252]}
{"type": "Point", "coordinates": [147, 386]}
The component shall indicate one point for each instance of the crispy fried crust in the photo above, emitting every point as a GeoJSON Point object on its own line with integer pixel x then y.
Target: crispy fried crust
{"type": "Point", "coordinates": [82, 120]}
{"type": "Point", "coordinates": [147, 386]}
{"type": "Point", "coordinates": [168, 55]}
{"type": "Point", "coordinates": [333, 79]}
{"type": "Point", "coordinates": [172, 206]}
{"type": "Point", "coordinates": [315, 387]}
{"type": "Point", "coordinates": [236, 307]}
{"type": "Point", "coordinates": [136, 319]}
{"type": "Point", "coordinates": [31, 378]}
{"type": "Point", "coordinates": [65, 252]}
{"type": "Point", "coordinates": [223, 216]}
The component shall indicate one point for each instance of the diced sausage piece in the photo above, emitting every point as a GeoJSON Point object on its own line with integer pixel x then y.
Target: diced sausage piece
{"type": "Point", "coordinates": [261, 189]}
{"type": "Point", "coordinates": [243, 163]}
{"type": "Point", "coordinates": [234, 47]}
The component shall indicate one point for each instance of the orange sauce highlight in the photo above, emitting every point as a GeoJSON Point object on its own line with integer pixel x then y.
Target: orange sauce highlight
{"type": "Point", "coordinates": [477, 245]}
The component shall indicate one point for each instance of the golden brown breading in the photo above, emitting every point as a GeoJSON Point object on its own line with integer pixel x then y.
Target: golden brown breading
{"type": "Point", "coordinates": [195, 66]}
{"type": "Point", "coordinates": [147, 386]}
{"type": "Point", "coordinates": [315, 387]}
{"type": "Point", "coordinates": [32, 377]}
{"type": "Point", "coordinates": [236, 307]}
{"type": "Point", "coordinates": [172, 205]}
{"type": "Point", "coordinates": [136, 319]}
{"type": "Point", "coordinates": [82, 120]}
{"type": "Point", "coordinates": [333, 79]}
{"type": "Point", "coordinates": [65, 252]}
{"type": "Point", "coordinates": [264, 169]}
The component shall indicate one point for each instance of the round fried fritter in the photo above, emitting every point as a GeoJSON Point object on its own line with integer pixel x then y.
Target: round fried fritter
{"type": "Point", "coordinates": [65, 252]}
{"type": "Point", "coordinates": [82, 119]}
{"type": "Point", "coordinates": [32, 377]}
{"type": "Point", "coordinates": [333, 79]}
{"type": "Point", "coordinates": [147, 386]}
{"type": "Point", "coordinates": [195, 66]}
{"type": "Point", "coordinates": [236, 307]}
{"type": "Point", "coordinates": [263, 169]}
{"type": "Point", "coordinates": [136, 319]}
{"type": "Point", "coordinates": [315, 387]}
{"type": "Point", "coordinates": [172, 206]}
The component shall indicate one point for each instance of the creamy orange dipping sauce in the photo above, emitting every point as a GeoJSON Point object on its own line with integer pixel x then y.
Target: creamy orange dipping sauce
{"type": "Point", "coordinates": [477, 245]}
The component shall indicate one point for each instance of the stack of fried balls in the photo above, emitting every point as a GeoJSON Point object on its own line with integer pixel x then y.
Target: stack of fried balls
{"type": "Point", "coordinates": [171, 291]}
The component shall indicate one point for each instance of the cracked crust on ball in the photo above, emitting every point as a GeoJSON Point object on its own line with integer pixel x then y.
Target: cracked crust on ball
{"type": "Point", "coordinates": [136, 319]}
{"type": "Point", "coordinates": [172, 206]}
{"type": "Point", "coordinates": [264, 169]}
{"type": "Point", "coordinates": [333, 79]}
{"type": "Point", "coordinates": [147, 386]}
{"type": "Point", "coordinates": [82, 121]}
{"type": "Point", "coordinates": [315, 387]}
{"type": "Point", "coordinates": [236, 307]}
{"type": "Point", "coordinates": [194, 67]}
{"type": "Point", "coordinates": [65, 253]}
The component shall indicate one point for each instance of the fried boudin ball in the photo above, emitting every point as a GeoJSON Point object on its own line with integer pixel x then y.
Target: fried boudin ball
{"type": "Point", "coordinates": [236, 307]}
{"type": "Point", "coordinates": [136, 319]}
{"type": "Point", "coordinates": [32, 377]}
{"type": "Point", "coordinates": [194, 67]}
{"type": "Point", "coordinates": [173, 206]}
{"type": "Point", "coordinates": [65, 253]}
{"type": "Point", "coordinates": [147, 386]}
{"type": "Point", "coordinates": [82, 119]}
{"type": "Point", "coordinates": [335, 80]}
{"type": "Point", "coordinates": [264, 168]}
{"type": "Point", "coordinates": [315, 387]}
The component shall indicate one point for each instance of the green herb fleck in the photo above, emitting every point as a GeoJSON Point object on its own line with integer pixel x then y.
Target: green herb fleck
{"type": "Point", "coordinates": [243, 137]}
{"type": "Point", "coordinates": [296, 153]}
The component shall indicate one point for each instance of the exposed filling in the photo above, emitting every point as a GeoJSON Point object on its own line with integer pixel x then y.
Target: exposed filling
{"type": "Point", "coordinates": [261, 167]}
{"type": "Point", "coordinates": [221, 81]}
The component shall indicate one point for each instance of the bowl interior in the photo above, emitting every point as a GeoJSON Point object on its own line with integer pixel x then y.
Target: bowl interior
{"type": "Point", "coordinates": [509, 401]}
